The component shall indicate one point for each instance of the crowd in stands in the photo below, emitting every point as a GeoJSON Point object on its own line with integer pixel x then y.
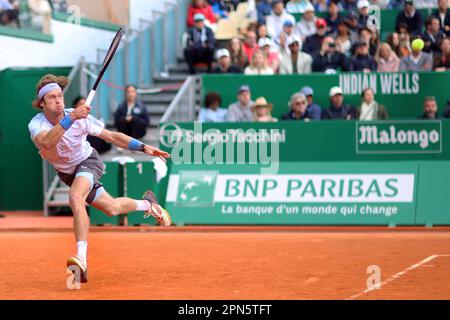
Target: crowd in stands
{"type": "Point", "coordinates": [9, 13]}
{"type": "Point", "coordinates": [273, 42]}
{"type": "Point", "coordinates": [38, 15]}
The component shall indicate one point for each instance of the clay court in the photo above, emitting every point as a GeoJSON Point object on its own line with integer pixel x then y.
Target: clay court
{"type": "Point", "coordinates": [224, 262]}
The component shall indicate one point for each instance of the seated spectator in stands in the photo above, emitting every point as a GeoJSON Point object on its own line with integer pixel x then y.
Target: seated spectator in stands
{"type": "Point", "coordinates": [9, 13]}
{"type": "Point", "coordinates": [131, 117]}
{"type": "Point", "coordinates": [297, 108]}
{"type": "Point", "coordinates": [277, 18]}
{"type": "Point", "coordinates": [328, 59]}
{"type": "Point", "coordinates": [370, 109]}
{"type": "Point", "coordinates": [258, 65]}
{"type": "Point", "coordinates": [349, 5]}
{"type": "Point", "coordinates": [224, 64]}
{"type": "Point", "coordinates": [432, 35]}
{"type": "Point", "coordinates": [442, 58]}
{"type": "Point", "coordinates": [98, 144]}
{"type": "Point", "coordinates": [400, 43]}
{"type": "Point", "coordinates": [296, 6]}
{"type": "Point", "coordinates": [294, 61]}
{"type": "Point", "coordinates": [430, 109]}
{"type": "Point", "coordinates": [220, 8]}
{"type": "Point", "coordinates": [321, 5]}
{"type": "Point", "coordinates": [363, 13]}
{"type": "Point", "coordinates": [443, 14]}
{"type": "Point", "coordinates": [264, 8]}
{"type": "Point", "coordinates": [237, 55]}
{"type": "Point", "coordinates": [386, 59]}
{"type": "Point", "coordinates": [283, 38]}
{"type": "Point", "coordinates": [418, 60]}
{"type": "Point", "coordinates": [241, 111]}
{"type": "Point", "coordinates": [261, 31]}
{"type": "Point", "coordinates": [366, 35]}
{"type": "Point", "coordinates": [362, 61]}
{"type": "Point", "coordinates": [270, 53]}
{"type": "Point", "coordinates": [200, 7]}
{"type": "Point", "coordinates": [41, 15]}
{"type": "Point", "coordinates": [338, 110]}
{"type": "Point", "coordinates": [352, 21]}
{"type": "Point", "coordinates": [262, 111]}
{"type": "Point", "coordinates": [313, 43]}
{"type": "Point", "coordinates": [344, 38]}
{"type": "Point", "coordinates": [307, 24]}
{"type": "Point", "coordinates": [200, 45]}
{"type": "Point", "coordinates": [411, 17]}
{"type": "Point", "coordinates": [313, 110]}
{"type": "Point", "coordinates": [250, 45]}
{"type": "Point", "coordinates": [333, 17]}
{"type": "Point", "coordinates": [212, 112]}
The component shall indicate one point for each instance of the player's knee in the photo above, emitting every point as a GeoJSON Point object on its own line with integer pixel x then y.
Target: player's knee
{"type": "Point", "coordinates": [76, 199]}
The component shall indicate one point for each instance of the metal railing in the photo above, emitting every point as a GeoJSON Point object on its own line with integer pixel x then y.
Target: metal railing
{"type": "Point", "coordinates": [186, 103]}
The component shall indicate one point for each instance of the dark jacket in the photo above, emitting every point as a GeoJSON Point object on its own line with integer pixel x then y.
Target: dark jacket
{"type": "Point", "coordinates": [424, 116]}
{"type": "Point", "coordinates": [332, 24]}
{"type": "Point", "coordinates": [432, 43]}
{"type": "Point", "coordinates": [359, 63]}
{"type": "Point", "coordinates": [446, 21]}
{"type": "Point", "coordinates": [290, 116]}
{"type": "Point", "coordinates": [345, 112]}
{"type": "Point", "coordinates": [194, 40]}
{"type": "Point", "coordinates": [414, 23]}
{"type": "Point", "coordinates": [139, 113]}
{"type": "Point", "coordinates": [336, 60]}
{"type": "Point", "coordinates": [232, 69]}
{"type": "Point", "coordinates": [312, 44]}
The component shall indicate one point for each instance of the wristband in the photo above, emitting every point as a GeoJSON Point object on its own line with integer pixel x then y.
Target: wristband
{"type": "Point", "coordinates": [66, 122]}
{"type": "Point", "coordinates": [136, 145]}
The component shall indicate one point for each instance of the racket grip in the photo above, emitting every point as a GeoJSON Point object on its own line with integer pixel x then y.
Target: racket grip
{"type": "Point", "coordinates": [90, 97]}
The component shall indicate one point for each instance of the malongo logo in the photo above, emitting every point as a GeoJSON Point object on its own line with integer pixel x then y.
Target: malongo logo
{"type": "Point", "coordinates": [399, 137]}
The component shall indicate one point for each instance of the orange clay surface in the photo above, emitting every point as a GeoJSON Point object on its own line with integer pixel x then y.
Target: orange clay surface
{"type": "Point", "coordinates": [227, 263]}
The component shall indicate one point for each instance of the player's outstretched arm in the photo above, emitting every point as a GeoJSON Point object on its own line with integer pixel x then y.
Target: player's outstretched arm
{"type": "Point", "coordinates": [123, 141]}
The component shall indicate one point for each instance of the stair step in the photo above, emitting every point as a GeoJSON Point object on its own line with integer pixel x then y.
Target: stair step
{"type": "Point", "coordinates": [172, 79]}
{"type": "Point", "coordinates": [155, 109]}
{"type": "Point", "coordinates": [165, 98]}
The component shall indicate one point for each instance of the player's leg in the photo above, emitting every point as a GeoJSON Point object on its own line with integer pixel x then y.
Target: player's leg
{"type": "Point", "coordinates": [104, 202]}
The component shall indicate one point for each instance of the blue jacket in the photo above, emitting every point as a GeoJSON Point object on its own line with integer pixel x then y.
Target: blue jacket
{"type": "Point", "coordinates": [193, 40]}
{"type": "Point", "coordinates": [139, 113]}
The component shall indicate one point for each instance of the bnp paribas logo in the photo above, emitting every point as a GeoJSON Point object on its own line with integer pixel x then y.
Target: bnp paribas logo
{"type": "Point", "coordinates": [196, 188]}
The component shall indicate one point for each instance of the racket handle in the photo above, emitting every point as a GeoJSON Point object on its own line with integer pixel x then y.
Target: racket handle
{"type": "Point", "coordinates": [90, 97]}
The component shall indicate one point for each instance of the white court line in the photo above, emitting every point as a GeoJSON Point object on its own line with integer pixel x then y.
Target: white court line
{"type": "Point", "coordinates": [397, 275]}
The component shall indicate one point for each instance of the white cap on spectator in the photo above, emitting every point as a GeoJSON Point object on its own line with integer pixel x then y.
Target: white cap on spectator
{"type": "Point", "coordinates": [309, 7]}
{"type": "Point", "coordinates": [363, 4]}
{"type": "Point", "coordinates": [334, 91]}
{"type": "Point", "coordinates": [292, 40]}
{"type": "Point", "coordinates": [222, 53]}
{"type": "Point", "coordinates": [264, 42]}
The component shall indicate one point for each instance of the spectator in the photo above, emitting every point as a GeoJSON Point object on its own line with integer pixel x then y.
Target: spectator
{"type": "Point", "coordinates": [212, 111]}
{"type": "Point", "coordinates": [430, 109]}
{"type": "Point", "coordinates": [296, 6]}
{"type": "Point", "coordinates": [261, 31]}
{"type": "Point", "coordinates": [293, 61]}
{"type": "Point", "coordinates": [443, 14]}
{"type": "Point", "coordinates": [224, 63]}
{"type": "Point", "coordinates": [200, 7]}
{"type": "Point", "coordinates": [321, 5]}
{"type": "Point", "coordinates": [411, 17]}
{"type": "Point", "coordinates": [422, 4]}
{"type": "Point", "coordinates": [418, 60]}
{"type": "Point", "coordinates": [329, 59]}
{"type": "Point", "coordinates": [333, 17]}
{"type": "Point", "coordinates": [386, 59]}
{"type": "Point", "coordinates": [240, 111]}
{"type": "Point", "coordinates": [98, 144]}
{"type": "Point", "coordinates": [262, 111]}
{"type": "Point", "coordinates": [338, 110]}
{"type": "Point", "coordinates": [442, 58]}
{"type": "Point", "coordinates": [273, 61]}
{"type": "Point", "coordinates": [9, 13]}
{"type": "Point", "coordinates": [313, 110]}
{"type": "Point", "coordinates": [297, 108]}
{"type": "Point", "coordinates": [41, 15]}
{"type": "Point", "coordinates": [370, 109]}
{"type": "Point", "coordinates": [220, 8]}
{"type": "Point", "coordinates": [313, 43]}
{"type": "Point", "coordinates": [283, 38]}
{"type": "Point", "coordinates": [432, 35]}
{"type": "Point", "coordinates": [366, 35]}
{"type": "Point", "coordinates": [400, 43]}
{"type": "Point", "coordinates": [264, 7]}
{"type": "Point", "coordinates": [447, 110]}
{"type": "Point", "coordinates": [237, 54]}
{"type": "Point", "coordinates": [363, 10]}
{"type": "Point", "coordinates": [258, 65]}
{"type": "Point", "coordinates": [277, 18]}
{"type": "Point", "coordinates": [200, 44]}
{"type": "Point", "coordinates": [352, 21]}
{"type": "Point", "coordinates": [349, 5]}
{"type": "Point", "coordinates": [131, 117]}
{"type": "Point", "coordinates": [250, 45]}
{"type": "Point", "coordinates": [344, 38]}
{"type": "Point", "coordinates": [307, 24]}
{"type": "Point", "coordinates": [362, 61]}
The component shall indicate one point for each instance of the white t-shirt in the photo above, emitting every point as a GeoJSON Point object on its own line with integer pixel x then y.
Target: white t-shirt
{"type": "Point", "coordinates": [73, 148]}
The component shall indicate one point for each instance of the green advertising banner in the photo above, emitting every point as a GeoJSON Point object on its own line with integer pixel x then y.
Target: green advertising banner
{"type": "Point", "coordinates": [402, 93]}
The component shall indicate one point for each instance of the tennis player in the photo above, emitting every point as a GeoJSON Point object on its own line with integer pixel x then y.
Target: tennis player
{"type": "Point", "coordinates": [60, 135]}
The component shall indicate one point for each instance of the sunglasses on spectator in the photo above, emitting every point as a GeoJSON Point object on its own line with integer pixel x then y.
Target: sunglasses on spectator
{"type": "Point", "coordinates": [299, 103]}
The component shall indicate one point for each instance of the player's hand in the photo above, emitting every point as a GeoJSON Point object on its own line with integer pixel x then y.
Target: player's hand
{"type": "Point", "coordinates": [152, 151]}
{"type": "Point", "coordinates": [81, 112]}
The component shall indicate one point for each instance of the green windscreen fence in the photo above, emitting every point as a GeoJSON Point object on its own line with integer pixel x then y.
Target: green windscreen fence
{"type": "Point", "coordinates": [20, 163]}
{"type": "Point", "coordinates": [402, 93]}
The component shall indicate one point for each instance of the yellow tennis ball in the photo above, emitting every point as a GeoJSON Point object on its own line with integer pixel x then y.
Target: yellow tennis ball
{"type": "Point", "coordinates": [417, 45]}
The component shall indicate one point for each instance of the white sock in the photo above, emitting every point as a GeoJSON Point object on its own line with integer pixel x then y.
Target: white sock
{"type": "Point", "coordinates": [142, 205]}
{"type": "Point", "coordinates": [82, 250]}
